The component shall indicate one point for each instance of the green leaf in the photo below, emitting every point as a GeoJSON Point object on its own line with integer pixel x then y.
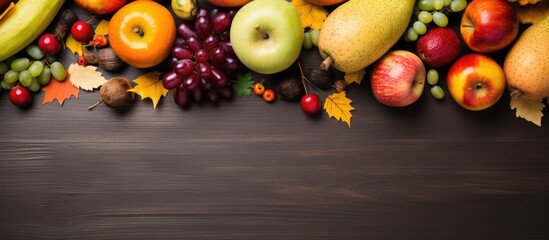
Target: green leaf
{"type": "Point", "coordinates": [244, 84]}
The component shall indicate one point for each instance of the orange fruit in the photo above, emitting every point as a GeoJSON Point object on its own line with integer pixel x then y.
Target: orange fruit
{"type": "Point", "coordinates": [142, 33]}
{"type": "Point", "coordinates": [229, 3]}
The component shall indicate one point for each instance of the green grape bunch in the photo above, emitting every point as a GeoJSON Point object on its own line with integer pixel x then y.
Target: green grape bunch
{"type": "Point", "coordinates": [429, 12]}
{"type": "Point", "coordinates": [31, 71]}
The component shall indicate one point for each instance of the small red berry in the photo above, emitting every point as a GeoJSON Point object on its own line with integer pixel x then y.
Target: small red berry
{"type": "Point", "coordinates": [20, 96]}
{"type": "Point", "coordinates": [82, 61]}
{"type": "Point", "coordinates": [310, 104]}
{"type": "Point", "coordinates": [81, 31]}
{"type": "Point", "coordinates": [259, 89]}
{"type": "Point", "coordinates": [99, 41]}
{"type": "Point", "coordinates": [49, 44]}
{"type": "Point", "coordinates": [269, 95]}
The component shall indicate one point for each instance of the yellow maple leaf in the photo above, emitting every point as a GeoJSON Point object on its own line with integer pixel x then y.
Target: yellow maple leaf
{"type": "Point", "coordinates": [339, 107]}
{"type": "Point", "coordinates": [149, 85]}
{"type": "Point", "coordinates": [529, 110]}
{"type": "Point", "coordinates": [102, 28]}
{"type": "Point", "coordinates": [312, 16]}
{"type": "Point", "coordinates": [86, 78]}
{"type": "Point", "coordinates": [355, 77]}
{"type": "Point", "coordinates": [73, 45]}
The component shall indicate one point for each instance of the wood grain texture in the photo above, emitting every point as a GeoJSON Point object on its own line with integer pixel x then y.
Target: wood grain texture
{"type": "Point", "coordinates": [250, 170]}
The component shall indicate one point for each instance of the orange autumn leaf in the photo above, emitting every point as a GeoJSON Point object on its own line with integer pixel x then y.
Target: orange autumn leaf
{"type": "Point", "coordinates": [312, 16]}
{"type": "Point", "coordinates": [60, 91]}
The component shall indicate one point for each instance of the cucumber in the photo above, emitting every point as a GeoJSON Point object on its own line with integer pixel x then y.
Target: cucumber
{"type": "Point", "coordinates": [24, 23]}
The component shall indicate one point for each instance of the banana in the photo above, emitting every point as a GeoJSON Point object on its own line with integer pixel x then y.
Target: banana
{"type": "Point", "coordinates": [24, 23]}
{"type": "Point", "coordinates": [185, 9]}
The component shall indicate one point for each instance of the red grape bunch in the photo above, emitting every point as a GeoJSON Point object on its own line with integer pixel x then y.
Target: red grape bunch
{"type": "Point", "coordinates": [202, 59]}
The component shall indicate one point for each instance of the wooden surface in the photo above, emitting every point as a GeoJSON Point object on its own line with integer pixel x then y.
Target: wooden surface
{"type": "Point", "coordinates": [247, 169]}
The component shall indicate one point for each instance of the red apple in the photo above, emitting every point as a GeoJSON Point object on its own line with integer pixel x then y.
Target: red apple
{"type": "Point", "coordinates": [475, 81]}
{"type": "Point", "coordinates": [398, 78]}
{"type": "Point", "coordinates": [489, 25]}
{"type": "Point", "coordinates": [100, 6]}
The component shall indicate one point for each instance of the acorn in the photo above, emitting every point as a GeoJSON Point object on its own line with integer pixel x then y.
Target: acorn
{"type": "Point", "coordinates": [322, 79]}
{"type": "Point", "coordinates": [114, 93]}
{"type": "Point", "coordinates": [289, 87]}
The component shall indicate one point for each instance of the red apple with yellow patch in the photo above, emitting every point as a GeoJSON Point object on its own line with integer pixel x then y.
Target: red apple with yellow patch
{"type": "Point", "coordinates": [475, 81]}
{"type": "Point", "coordinates": [100, 6]}
{"type": "Point", "coordinates": [489, 25]}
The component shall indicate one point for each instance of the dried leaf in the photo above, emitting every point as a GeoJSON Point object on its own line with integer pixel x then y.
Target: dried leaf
{"type": "Point", "coordinates": [7, 10]}
{"type": "Point", "coordinates": [529, 110]}
{"type": "Point", "coordinates": [244, 85]}
{"type": "Point", "coordinates": [102, 28]}
{"type": "Point", "coordinates": [86, 78]}
{"type": "Point", "coordinates": [312, 16]}
{"type": "Point", "coordinates": [524, 2]}
{"type": "Point", "coordinates": [149, 85]}
{"type": "Point", "coordinates": [355, 77]}
{"type": "Point", "coordinates": [73, 45]}
{"type": "Point", "coordinates": [60, 91]}
{"type": "Point", "coordinates": [532, 13]}
{"type": "Point", "coordinates": [339, 107]}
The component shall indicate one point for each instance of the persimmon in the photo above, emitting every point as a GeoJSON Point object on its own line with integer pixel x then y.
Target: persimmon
{"type": "Point", "coordinates": [142, 33]}
{"type": "Point", "coordinates": [229, 3]}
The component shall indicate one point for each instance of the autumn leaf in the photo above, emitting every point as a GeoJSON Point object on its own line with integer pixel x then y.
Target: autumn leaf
{"type": "Point", "coordinates": [532, 12]}
{"type": "Point", "coordinates": [7, 10]}
{"type": "Point", "coordinates": [102, 28]}
{"type": "Point", "coordinates": [60, 91]}
{"type": "Point", "coordinates": [73, 45]}
{"type": "Point", "coordinates": [85, 77]}
{"type": "Point", "coordinates": [244, 84]}
{"type": "Point", "coordinates": [355, 77]}
{"type": "Point", "coordinates": [149, 85]}
{"type": "Point", "coordinates": [312, 16]}
{"type": "Point", "coordinates": [529, 110]}
{"type": "Point", "coordinates": [339, 107]}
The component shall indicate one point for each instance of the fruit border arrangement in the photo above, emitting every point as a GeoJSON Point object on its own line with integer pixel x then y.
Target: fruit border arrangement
{"type": "Point", "coordinates": [215, 53]}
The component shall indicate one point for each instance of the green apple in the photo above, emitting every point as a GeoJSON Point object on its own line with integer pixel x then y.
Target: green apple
{"type": "Point", "coordinates": [267, 35]}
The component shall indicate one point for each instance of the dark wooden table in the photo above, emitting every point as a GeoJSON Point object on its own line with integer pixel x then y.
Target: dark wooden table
{"type": "Point", "coordinates": [247, 169]}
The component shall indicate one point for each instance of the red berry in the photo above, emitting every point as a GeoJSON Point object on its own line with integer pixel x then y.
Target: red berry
{"type": "Point", "coordinates": [20, 96]}
{"type": "Point", "coordinates": [81, 31]}
{"type": "Point", "coordinates": [99, 41]}
{"type": "Point", "coordinates": [269, 95]}
{"type": "Point", "coordinates": [310, 104]}
{"type": "Point", "coordinates": [49, 44]}
{"type": "Point", "coordinates": [259, 89]}
{"type": "Point", "coordinates": [82, 61]}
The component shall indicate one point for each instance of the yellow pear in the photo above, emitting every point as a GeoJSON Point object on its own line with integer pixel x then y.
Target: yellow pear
{"type": "Point", "coordinates": [526, 65]}
{"type": "Point", "coordinates": [359, 32]}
